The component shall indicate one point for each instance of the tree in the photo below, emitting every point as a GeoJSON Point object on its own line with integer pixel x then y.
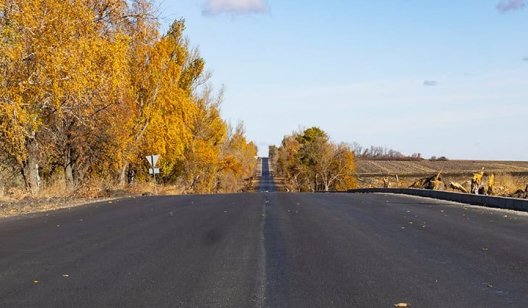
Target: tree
{"type": "Point", "coordinates": [239, 162]}
{"type": "Point", "coordinates": [90, 87]}
{"type": "Point", "coordinates": [55, 86]}
{"type": "Point", "coordinates": [309, 161]}
{"type": "Point", "coordinates": [288, 163]}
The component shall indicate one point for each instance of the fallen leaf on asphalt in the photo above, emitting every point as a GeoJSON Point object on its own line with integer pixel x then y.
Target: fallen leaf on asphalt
{"type": "Point", "coordinates": [401, 305]}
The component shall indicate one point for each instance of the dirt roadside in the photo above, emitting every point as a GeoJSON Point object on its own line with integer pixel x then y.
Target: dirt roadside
{"type": "Point", "coordinates": [36, 205]}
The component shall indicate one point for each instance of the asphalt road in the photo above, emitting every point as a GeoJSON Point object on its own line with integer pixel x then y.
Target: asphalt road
{"type": "Point", "coordinates": [266, 249]}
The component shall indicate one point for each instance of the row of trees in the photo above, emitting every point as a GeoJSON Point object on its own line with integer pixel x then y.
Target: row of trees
{"type": "Point", "coordinates": [309, 161]}
{"type": "Point", "coordinates": [89, 87]}
{"type": "Point", "coordinates": [381, 153]}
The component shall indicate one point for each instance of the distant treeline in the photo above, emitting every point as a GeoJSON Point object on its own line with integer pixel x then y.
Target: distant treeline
{"type": "Point", "coordinates": [88, 88]}
{"type": "Point", "coordinates": [384, 153]}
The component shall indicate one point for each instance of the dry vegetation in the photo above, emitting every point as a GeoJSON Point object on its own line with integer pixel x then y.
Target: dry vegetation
{"type": "Point", "coordinates": [17, 201]}
{"type": "Point", "coordinates": [510, 176]}
{"type": "Point", "coordinates": [389, 167]}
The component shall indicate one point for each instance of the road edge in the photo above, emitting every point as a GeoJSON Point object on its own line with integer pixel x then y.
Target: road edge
{"type": "Point", "coordinates": [480, 200]}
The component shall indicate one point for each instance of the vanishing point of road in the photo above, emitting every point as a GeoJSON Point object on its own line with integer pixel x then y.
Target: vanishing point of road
{"type": "Point", "coordinates": [266, 249]}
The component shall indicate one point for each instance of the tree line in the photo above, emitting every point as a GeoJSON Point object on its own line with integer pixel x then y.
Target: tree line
{"type": "Point", "coordinates": [88, 88]}
{"type": "Point", "coordinates": [381, 153]}
{"type": "Point", "coordinates": [309, 161]}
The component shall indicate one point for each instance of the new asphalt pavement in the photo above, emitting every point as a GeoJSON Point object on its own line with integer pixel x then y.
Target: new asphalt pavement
{"type": "Point", "coordinates": [266, 249]}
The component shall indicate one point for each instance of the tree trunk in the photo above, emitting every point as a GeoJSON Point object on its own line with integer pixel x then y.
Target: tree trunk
{"type": "Point", "coordinates": [123, 176]}
{"type": "Point", "coordinates": [30, 167]}
{"type": "Point", "coordinates": [69, 170]}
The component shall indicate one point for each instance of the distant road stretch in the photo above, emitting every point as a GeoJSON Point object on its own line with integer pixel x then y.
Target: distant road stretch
{"type": "Point", "coordinates": [266, 249]}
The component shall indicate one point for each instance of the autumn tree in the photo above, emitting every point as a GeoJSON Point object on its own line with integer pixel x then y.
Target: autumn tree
{"type": "Point", "coordinates": [288, 163]}
{"type": "Point", "coordinates": [89, 87]}
{"type": "Point", "coordinates": [309, 161]}
{"type": "Point", "coordinates": [239, 161]}
{"type": "Point", "coordinates": [59, 73]}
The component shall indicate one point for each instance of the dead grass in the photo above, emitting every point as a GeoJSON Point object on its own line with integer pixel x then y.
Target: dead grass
{"type": "Point", "coordinates": [505, 184]}
{"type": "Point", "coordinates": [56, 196]}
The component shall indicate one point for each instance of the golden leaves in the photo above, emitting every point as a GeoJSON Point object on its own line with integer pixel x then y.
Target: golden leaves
{"type": "Point", "coordinates": [96, 86]}
{"type": "Point", "coordinates": [310, 162]}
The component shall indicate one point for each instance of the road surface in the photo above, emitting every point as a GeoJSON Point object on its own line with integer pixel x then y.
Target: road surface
{"type": "Point", "coordinates": [266, 249]}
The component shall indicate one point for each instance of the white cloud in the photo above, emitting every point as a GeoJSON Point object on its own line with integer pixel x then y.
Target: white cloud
{"type": "Point", "coordinates": [510, 5]}
{"type": "Point", "coordinates": [215, 7]}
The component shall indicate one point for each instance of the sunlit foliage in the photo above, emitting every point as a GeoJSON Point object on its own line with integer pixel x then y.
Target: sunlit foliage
{"type": "Point", "coordinates": [89, 87]}
{"type": "Point", "coordinates": [309, 161]}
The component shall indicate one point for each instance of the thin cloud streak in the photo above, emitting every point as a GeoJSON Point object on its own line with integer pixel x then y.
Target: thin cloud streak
{"type": "Point", "coordinates": [430, 83]}
{"type": "Point", "coordinates": [511, 5]}
{"type": "Point", "coordinates": [235, 7]}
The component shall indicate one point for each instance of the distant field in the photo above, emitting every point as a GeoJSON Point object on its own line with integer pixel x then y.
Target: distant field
{"type": "Point", "coordinates": [510, 175]}
{"type": "Point", "coordinates": [426, 167]}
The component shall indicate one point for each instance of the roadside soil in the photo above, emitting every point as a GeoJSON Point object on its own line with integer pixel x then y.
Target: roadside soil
{"type": "Point", "coordinates": [29, 205]}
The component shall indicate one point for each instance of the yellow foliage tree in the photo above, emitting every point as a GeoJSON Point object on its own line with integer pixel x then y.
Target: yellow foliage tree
{"type": "Point", "coordinates": [89, 87]}
{"type": "Point", "coordinates": [238, 162]}
{"type": "Point", "coordinates": [310, 162]}
{"type": "Point", "coordinates": [60, 72]}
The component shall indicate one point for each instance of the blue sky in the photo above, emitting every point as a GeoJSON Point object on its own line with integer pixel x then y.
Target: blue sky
{"type": "Point", "coordinates": [436, 77]}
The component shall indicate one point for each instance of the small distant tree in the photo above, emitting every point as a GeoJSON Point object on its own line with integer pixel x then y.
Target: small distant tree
{"type": "Point", "coordinates": [417, 156]}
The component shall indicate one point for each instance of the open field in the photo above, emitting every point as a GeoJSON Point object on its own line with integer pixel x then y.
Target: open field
{"type": "Point", "coordinates": [426, 167]}
{"type": "Point", "coordinates": [510, 175]}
